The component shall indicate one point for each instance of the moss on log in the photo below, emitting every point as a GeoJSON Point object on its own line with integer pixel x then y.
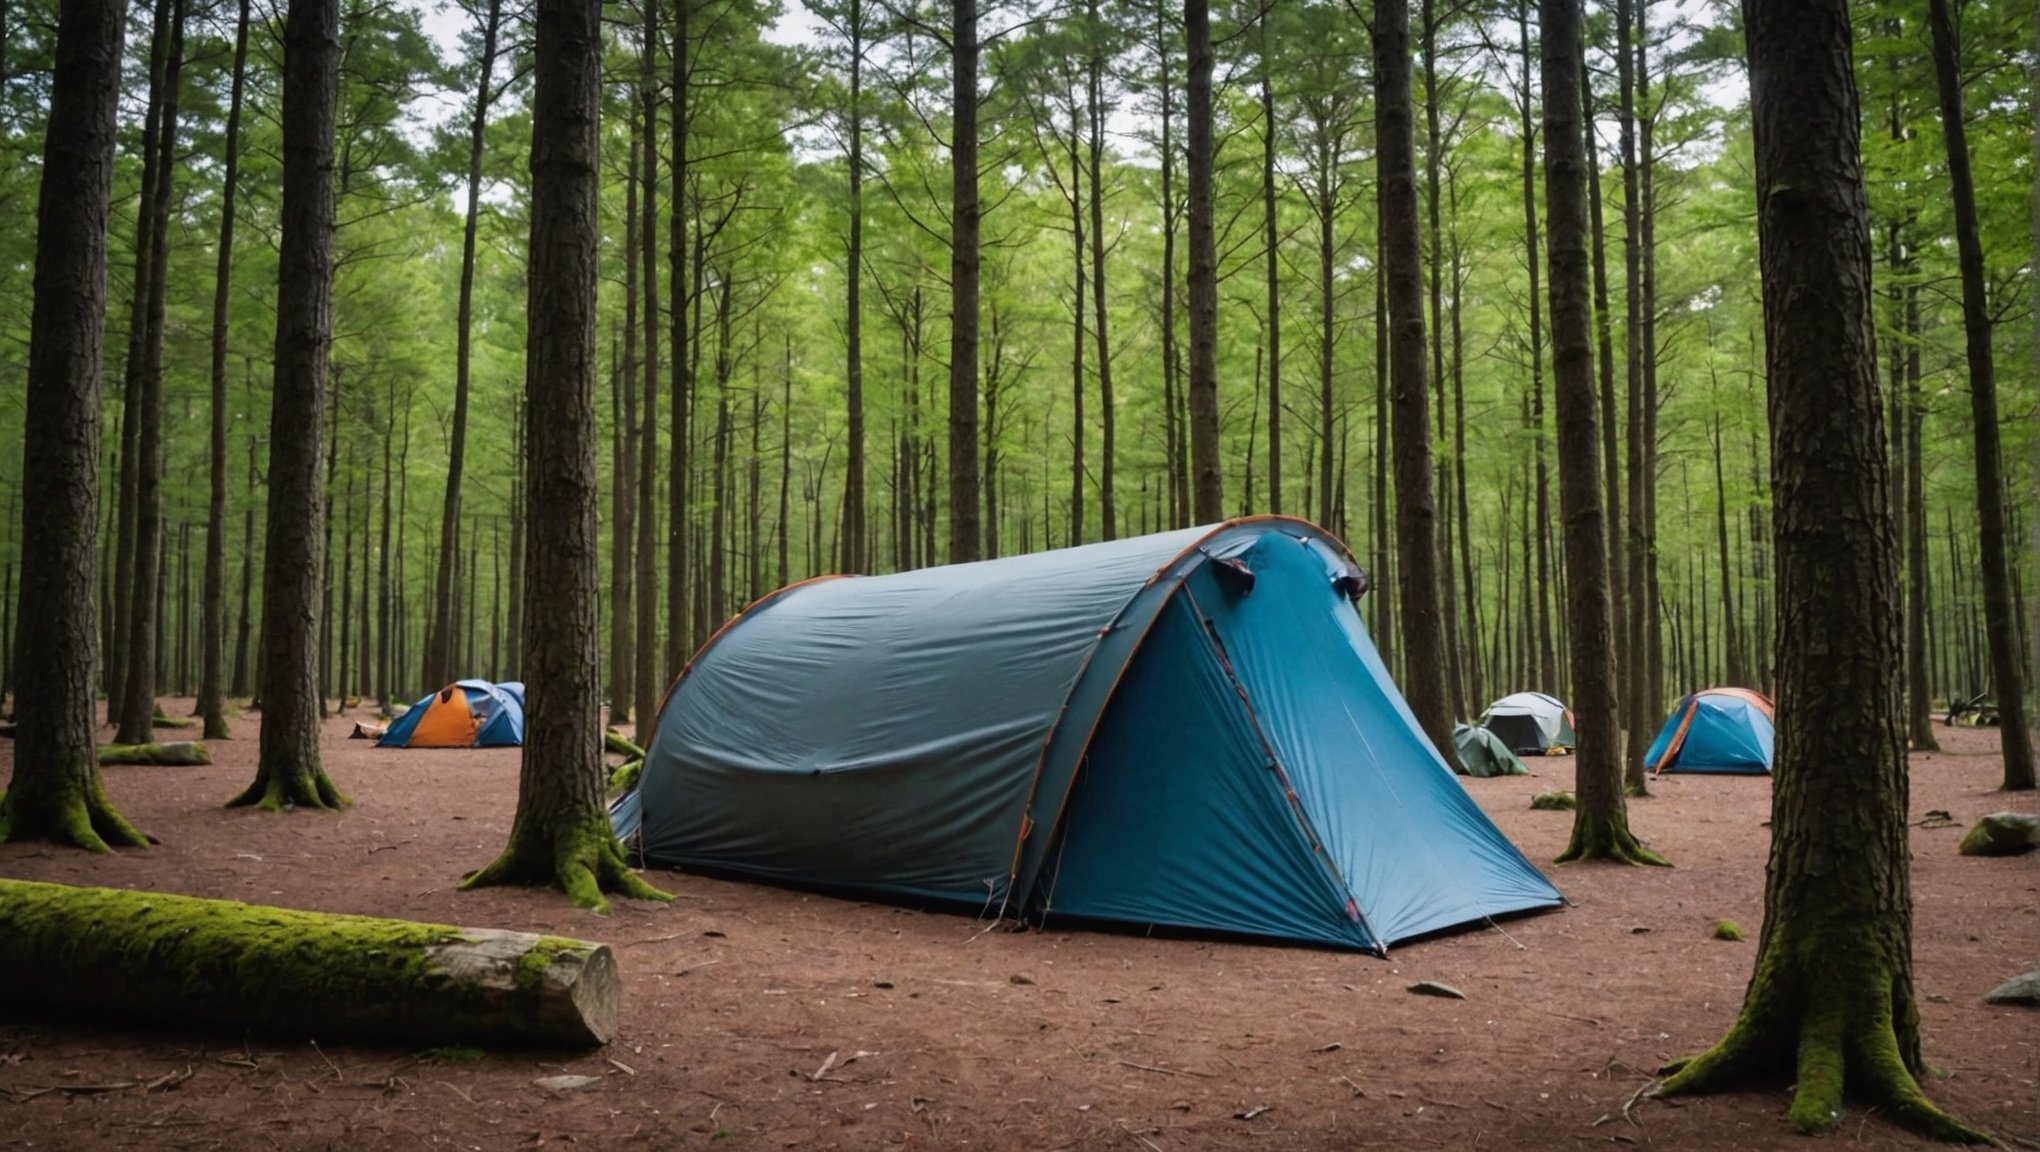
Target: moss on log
{"type": "Point", "coordinates": [125, 956]}
{"type": "Point", "coordinates": [613, 741]}
{"type": "Point", "coordinates": [160, 720]}
{"type": "Point", "coordinates": [182, 753]}
{"type": "Point", "coordinates": [1553, 802]}
{"type": "Point", "coordinates": [625, 777]}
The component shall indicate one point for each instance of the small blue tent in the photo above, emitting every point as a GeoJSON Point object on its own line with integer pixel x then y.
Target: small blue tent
{"type": "Point", "coordinates": [1189, 730]}
{"type": "Point", "coordinates": [1722, 730]}
{"type": "Point", "coordinates": [464, 714]}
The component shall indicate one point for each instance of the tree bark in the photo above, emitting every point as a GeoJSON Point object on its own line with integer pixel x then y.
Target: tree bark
{"type": "Point", "coordinates": [1651, 657]}
{"type": "Point", "coordinates": [1920, 697]}
{"type": "Point", "coordinates": [854, 497]}
{"type": "Point", "coordinates": [289, 770]}
{"type": "Point", "coordinates": [1547, 669]}
{"type": "Point", "coordinates": [2015, 739]}
{"type": "Point", "coordinates": [1207, 470]}
{"type": "Point", "coordinates": [180, 960]}
{"type": "Point", "coordinates": [55, 792]}
{"type": "Point", "coordinates": [624, 441]}
{"type": "Point", "coordinates": [645, 681]}
{"type": "Point", "coordinates": [1271, 241]}
{"type": "Point", "coordinates": [1604, 362]}
{"type": "Point", "coordinates": [244, 620]}
{"type": "Point", "coordinates": [561, 830]}
{"type": "Point", "coordinates": [1108, 514]}
{"type": "Point", "coordinates": [1424, 657]}
{"type": "Point", "coordinates": [1600, 817]}
{"type": "Point", "coordinates": [145, 589]}
{"type": "Point", "coordinates": [439, 639]}
{"type": "Point", "coordinates": [1832, 995]}
{"type": "Point", "coordinates": [679, 397]}
{"type": "Point", "coordinates": [966, 532]}
{"type": "Point", "coordinates": [212, 687]}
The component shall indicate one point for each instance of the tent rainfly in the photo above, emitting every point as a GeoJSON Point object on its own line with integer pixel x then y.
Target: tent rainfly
{"type": "Point", "coordinates": [1482, 753]}
{"type": "Point", "coordinates": [1530, 723]}
{"type": "Point", "coordinates": [1721, 730]}
{"type": "Point", "coordinates": [464, 714]}
{"type": "Point", "coordinates": [1188, 730]}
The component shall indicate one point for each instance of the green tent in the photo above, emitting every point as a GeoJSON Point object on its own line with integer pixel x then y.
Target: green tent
{"type": "Point", "coordinates": [1482, 753]}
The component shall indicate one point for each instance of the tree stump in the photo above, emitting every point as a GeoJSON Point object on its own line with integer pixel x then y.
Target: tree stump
{"type": "Point", "coordinates": [121, 957]}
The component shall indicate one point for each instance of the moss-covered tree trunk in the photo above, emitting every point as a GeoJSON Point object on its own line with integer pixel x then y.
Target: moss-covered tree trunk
{"type": "Point", "coordinates": [55, 792]}
{"type": "Point", "coordinates": [1600, 817]}
{"type": "Point", "coordinates": [561, 831]}
{"type": "Point", "coordinates": [1831, 1001]}
{"type": "Point", "coordinates": [289, 771]}
{"type": "Point", "coordinates": [220, 964]}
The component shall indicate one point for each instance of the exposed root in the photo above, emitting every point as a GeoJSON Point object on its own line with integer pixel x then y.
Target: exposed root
{"type": "Point", "coordinates": [1833, 1052]}
{"type": "Point", "coordinates": [300, 788]}
{"type": "Point", "coordinates": [80, 817]}
{"type": "Point", "coordinates": [583, 860]}
{"type": "Point", "coordinates": [1607, 838]}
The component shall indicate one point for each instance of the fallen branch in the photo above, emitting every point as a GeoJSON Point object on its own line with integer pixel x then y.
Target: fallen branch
{"type": "Point", "coordinates": [1164, 1071]}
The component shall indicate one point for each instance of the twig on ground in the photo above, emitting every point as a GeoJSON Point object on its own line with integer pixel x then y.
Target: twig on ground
{"type": "Point", "coordinates": [1164, 1071]}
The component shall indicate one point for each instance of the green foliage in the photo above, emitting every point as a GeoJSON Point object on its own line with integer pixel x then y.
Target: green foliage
{"type": "Point", "coordinates": [1727, 930]}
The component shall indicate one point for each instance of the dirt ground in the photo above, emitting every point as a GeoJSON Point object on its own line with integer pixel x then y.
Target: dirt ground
{"type": "Point", "coordinates": [936, 1034]}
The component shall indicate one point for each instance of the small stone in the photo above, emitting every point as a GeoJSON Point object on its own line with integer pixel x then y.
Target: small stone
{"type": "Point", "coordinates": [1434, 988]}
{"type": "Point", "coordinates": [2018, 990]}
{"type": "Point", "coordinates": [2002, 834]}
{"type": "Point", "coordinates": [1020, 978]}
{"type": "Point", "coordinates": [881, 984]}
{"type": "Point", "coordinates": [1639, 930]}
{"type": "Point", "coordinates": [567, 1083]}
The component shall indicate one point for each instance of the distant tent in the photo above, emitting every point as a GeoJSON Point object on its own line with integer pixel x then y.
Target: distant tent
{"type": "Point", "coordinates": [1482, 753]}
{"type": "Point", "coordinates": [1725, 730]}
{"type": "Point", "coordinates": [1188, 730]}
{"type": "Point", "coordinates": [1530, 722]}
{"type": "Point", "coordinates": [464, 714]}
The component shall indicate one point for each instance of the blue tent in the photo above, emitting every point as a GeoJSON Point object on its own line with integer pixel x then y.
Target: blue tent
{"type": "Point", "coordinates": [464, 714]}
{"type": "Point", "coordinates": [1722, 730]}
{"type": "Point", "coordinates": [1189, 730]}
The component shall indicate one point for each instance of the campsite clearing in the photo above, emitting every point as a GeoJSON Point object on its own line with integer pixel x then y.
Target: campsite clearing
{"type": "Point", "coordinates": [756, 1017]}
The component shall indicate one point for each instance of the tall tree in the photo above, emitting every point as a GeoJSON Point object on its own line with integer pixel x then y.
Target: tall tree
{"type": "Point", "coordinates": [1832, 995]}
{"type": "Point", "coordinates": [679, 391]}
{"type": "Point", "coordinates": [1601, 819]}
{"type": "Point", "coordinates": [1272, 254]}
{"type": "Point", "coordinates": [966, 534]}
{"type": "Point", "coordinates": [1097, 49]}
{"type": "Point", "coordinates": [645, 642]}
{"type": "Point", "coordinates": [1416, 513]}
{"type": "Point", "coordinates": [144, 625]}
{"type": "Point", "coordinates": [289, 770]}
{"type": "Point", "coordinates": [2015, 739]}
{"type": "Point", "coordinates": [212, 686]}
{"type": "Point", "coordinates": [439, 636]}
{"type": "Point", "coordinates": [55, 792]}
{"type": "Point", "coordinates": [561, 831]}
{"type": "Point", "coordinates": [1207, 472]}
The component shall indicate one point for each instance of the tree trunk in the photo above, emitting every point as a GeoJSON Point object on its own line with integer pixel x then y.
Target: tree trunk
{"type": "Point", "coordinates": [1650, 678]}
{"type": "Point", "coordinates": [854, 495]}
{"type": "Point", "coordinates": [1604, 361]}
{"type": "Point", "coordinates": [289, 771]}
{"type": "Point", "coordinates": [1271, 241]}
{"type": "Point", "coordinates": [1832, 995]}
{"type": "Point", "coordinates": [2015, 739]}
{"type": "Point", "coordinates": [1108, 514]}
{"type": "Point", "coordinates": [1207, 470]}
{"type": "Point", "coordinates": [244, 621]}
{"type": "Point", "coordinates": [1547, 670]}
{"type": "Point", "coordinates": [645, 683]}
{"type": "Point", "coordinates": [1435, 247]}
{"type": "Point", "coordinates": [561, 830]}
{"type": "Point", "coordinates": [1384, 606]}
{"type": "Point", "coordinates": [1920, 700]}
{"type": "Point", "coordinates": [679, 398]}
{"type": "Point", "coordinates": [137, 339]}
{"type": "Point", "coordinates": [180, 960]}
{"type": "Point", "coordinates": [624, 438]}
{"type": "Point", "coordinates": [212, 688]}
{"type": "Point", "coordinates": [1424, 657]}
{"type": "Point", "coordinates": [1736, 671]}
{"type": "Point", "coordinates": [55, 792]}
{"type": "Point", "coordinates": [383, 594]}
{"type": "Point", "coordinates": [439, 638]}
{"type": "Point", "coordinates": [965, 530]}
{"type": "Point", "coordinates": [1600, 819]}
{"type": "Point", "coordinates": [144, 623]}
{"type": "Point", "coordinates": [1078, 296]}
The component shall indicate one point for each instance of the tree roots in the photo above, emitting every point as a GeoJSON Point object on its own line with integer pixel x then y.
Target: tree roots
{"type": "Point", "coordinates": [1838, 1041]}
{"type": "Point", "coordinates": [582, 859]}
{"type": "Point", "coordinates": [1607, 838]}
{"type": "Point", "coordinates": [79, 816]}
{"type": "Point", "coordinates": [300, 787]}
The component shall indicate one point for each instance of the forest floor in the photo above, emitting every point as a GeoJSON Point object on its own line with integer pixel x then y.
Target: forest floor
{"type": "Point", "coordinates": [760, 1018]}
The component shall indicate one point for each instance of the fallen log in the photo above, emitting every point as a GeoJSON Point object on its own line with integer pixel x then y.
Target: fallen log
{"type": "Point", "coordinates": [181, 754]}
{"type": "Point", "coordinates": [614, 741]}
{"type": "Point", "coordinates": [122, 957]}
